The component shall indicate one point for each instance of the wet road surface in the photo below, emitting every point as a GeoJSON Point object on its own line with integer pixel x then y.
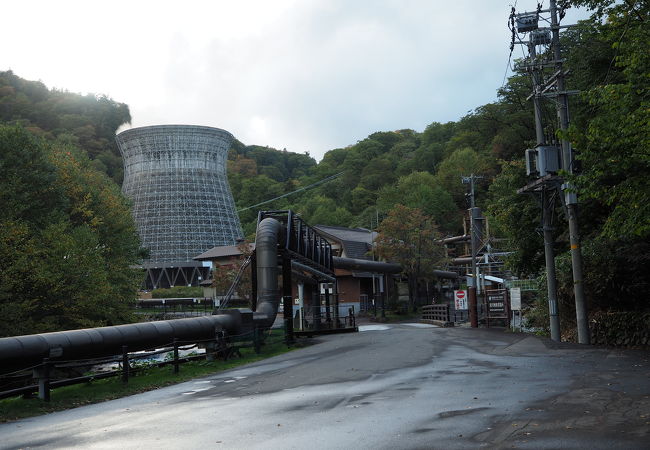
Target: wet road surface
{"type": "Point", "coordinates": [389, 386]}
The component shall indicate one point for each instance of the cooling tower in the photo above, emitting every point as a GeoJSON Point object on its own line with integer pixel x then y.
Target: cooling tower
{"type": "Point", "coordinates": [175, 175]}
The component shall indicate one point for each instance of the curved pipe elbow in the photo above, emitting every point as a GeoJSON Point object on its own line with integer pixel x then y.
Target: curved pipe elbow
{"type": "Point", "coordinates": [266, 249]}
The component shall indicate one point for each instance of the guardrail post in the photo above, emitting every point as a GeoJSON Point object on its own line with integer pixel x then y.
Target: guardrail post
{"type": "Point", "coordinates": [175, 355]}
{"type": "Point", "coordinates": [125, 364]}
{"type": "Point", "coordinates": [256, 340]}
{"type": "Point", "coordinates": [287, 303]}
{"type": "Point", "coordinates": [222, 345]}
{"type": "Point", "coordinates": [44, 380]}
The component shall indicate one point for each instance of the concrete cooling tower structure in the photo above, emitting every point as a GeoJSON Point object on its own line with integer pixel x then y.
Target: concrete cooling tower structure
{"type": "Point", "coordinates": [175, 175]}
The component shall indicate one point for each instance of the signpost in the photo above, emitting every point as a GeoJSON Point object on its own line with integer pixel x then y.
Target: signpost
{"type": "Point", "coordinates": [460, 300]}
{"type": "Point", "coordinates": [497, 306]}
{"type": "Point", "coordinates": [515, 299]}
{"type": "Point", "coordinates": [515, 305]}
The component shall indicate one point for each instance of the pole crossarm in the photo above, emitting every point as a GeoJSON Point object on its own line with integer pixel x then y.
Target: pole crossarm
{"type": "Point", "coordinates": [550, 184]}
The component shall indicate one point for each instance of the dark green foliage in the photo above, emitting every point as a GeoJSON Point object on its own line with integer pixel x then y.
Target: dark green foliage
{"type": "Point", "coordinates": [517, 218]}
{"type": "Point", "coordinates": [610, 133]}
{"type": "Point", "coordinates": [279, 165]}
{"type": "Point", "coordinates": [67, 240]}
{"type": "Point", "coordinates": [613, 137]}
{"type": "Point", "coordinates": [88, 121]}
{"type": "Point", "coordinates": [422, 191]}
{"type": "Point", "coordinates": [178, 292]}
{"type": "Point", "coordinates": [620, 329]}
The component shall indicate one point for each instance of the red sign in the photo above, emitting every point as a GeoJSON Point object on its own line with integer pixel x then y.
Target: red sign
{"type": "Point", "coordinates": [460, 300]}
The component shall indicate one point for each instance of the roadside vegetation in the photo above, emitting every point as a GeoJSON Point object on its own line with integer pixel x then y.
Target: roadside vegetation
{"type": "Point", "coordinates": [178, 292]}
{"type": "Point", "coordinates": [147, 379]}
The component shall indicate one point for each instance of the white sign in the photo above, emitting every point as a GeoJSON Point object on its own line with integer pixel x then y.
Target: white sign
{"type": "Point", "coordinates": [515, 299]}
{"type": "Point", "coordinates": [460, 299]}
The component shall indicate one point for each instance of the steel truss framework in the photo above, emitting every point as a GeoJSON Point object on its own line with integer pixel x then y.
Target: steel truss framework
{"type": "Point", "coordinates": [180, 275]}
{"type": "Point", "coordinates": [175, 176]}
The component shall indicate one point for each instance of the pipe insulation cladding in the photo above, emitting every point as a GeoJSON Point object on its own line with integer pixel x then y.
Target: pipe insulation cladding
{"type": "Point", "coordinates": [362, 264]}
{"type": "Point", "coordinates": [24, 351]}
{"type": "Point", "coordinates": [266, 249]}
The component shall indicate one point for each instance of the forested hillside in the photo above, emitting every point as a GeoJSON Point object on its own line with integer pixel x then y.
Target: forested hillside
{"type": "Point", "coordinates": [609, 63]}
{"type": "Point", "coordinates": [85, 121]}
{"type": "Point", "coordinates": [67, 238]}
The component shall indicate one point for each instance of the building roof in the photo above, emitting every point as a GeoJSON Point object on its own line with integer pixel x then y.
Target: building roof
{"type": "Point", "coordinates": [356, 242]}
{"type": "Point", "coordinates": [220, 252]}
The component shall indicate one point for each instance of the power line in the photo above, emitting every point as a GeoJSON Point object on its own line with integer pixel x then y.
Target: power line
{"type": "Point", "coordinates": [324, 180]}
{"type": "Point", "coordinates": [511, 27]}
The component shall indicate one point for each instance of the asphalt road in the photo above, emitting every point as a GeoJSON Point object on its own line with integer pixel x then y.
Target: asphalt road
{"type": "Point", "coordinates": [395, 386]}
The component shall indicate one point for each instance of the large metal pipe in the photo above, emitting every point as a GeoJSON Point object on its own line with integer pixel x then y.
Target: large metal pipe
{"type": "Point", "coordinates": [451, 240]}
{"type": "Point", "coordinates": [362, 264]}
{"type": "Point", "coordinates": [266, 249]}
{"type": "Point", "coordinates": [445, 274]}
{"type": "Point", "coordinates": [321, 276]}
{"type": "Point", "coordinates": [24, 351]}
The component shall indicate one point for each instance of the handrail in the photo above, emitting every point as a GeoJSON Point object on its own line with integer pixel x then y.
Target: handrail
{"type": "Point", "coordinates": [226, 345]}
{"type": "Point", "coordinates": [235, 283]}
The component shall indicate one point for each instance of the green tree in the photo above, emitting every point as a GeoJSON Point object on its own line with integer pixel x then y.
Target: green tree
{"type": "Point", "coordinates": [516, 217]}
{"type": "Point", "coordinates": [66, 253]}
{"type": "Point", "coordinates": [90, 121]}
{"type": "Point", "coordinates": [462, 162]}
{"type": "Point", "coordinates": [421, 190]}
{"type": "Point", "coordinates": [613, 139]}
{"type": "Point", "coordinates": [411, 238]}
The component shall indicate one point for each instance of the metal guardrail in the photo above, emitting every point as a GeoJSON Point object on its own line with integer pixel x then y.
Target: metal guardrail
{"type": "Point", "coordinates": [319, 318]}
{"type": "Point", "coordinates": [222, 346]}
{"type": "Point", "coordinates": [175, 307]}
{"type": "Point", "coordinates": [302, 242]}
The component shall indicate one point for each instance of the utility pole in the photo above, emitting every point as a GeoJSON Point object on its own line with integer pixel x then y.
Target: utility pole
{"type": "Point", "coordinates": [474, 214]}
{"type": "Point", "coordinates": [571, 199]}
{"type": "Point", "coordinates": [548, 162]}
{"type": "Point", "coordinates": [548, 205]}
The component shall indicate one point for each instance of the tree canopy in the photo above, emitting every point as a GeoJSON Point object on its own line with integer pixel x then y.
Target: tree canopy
{"type": "Point", "coordinates": [67, 240]}
{"type": "Point", "coordinates": [411, 238]}
{"type": "Point", "coordinates": [88, 122]}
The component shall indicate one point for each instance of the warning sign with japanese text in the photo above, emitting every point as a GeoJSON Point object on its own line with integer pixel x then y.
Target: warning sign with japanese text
{"type": "Point", "coordinates": [460, 299]}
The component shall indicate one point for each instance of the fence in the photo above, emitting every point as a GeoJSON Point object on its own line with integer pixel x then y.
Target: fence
{"type": "Point", "coordinates": [164, 308]}
{"type": "Point", "coordinates": [315, 317]}
{"type": "Point", "coordinates": [52, 374]}
{"type": "Point", "coordinates": [494, 306]}
{"type": "Point", "coordinates": [437, 313]}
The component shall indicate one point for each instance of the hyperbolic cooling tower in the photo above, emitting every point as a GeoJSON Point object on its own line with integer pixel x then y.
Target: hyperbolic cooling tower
{"type": "Point", "coordinates": [182, 205]}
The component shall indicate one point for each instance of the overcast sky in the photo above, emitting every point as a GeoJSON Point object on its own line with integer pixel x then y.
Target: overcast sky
{"type": "Point", "coordinates": [309, 75]}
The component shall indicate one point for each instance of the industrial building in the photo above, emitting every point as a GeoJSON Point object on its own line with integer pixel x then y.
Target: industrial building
{"type": "Point", "coordinates": [175, 175]}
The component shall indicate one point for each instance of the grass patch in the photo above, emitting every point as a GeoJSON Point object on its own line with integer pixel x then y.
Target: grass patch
{"type": "Point", "coordinates": [146, 380]}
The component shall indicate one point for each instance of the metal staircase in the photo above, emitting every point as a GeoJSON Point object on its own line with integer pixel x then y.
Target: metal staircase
{"type": "Point", "coordinates": [233, 287]}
